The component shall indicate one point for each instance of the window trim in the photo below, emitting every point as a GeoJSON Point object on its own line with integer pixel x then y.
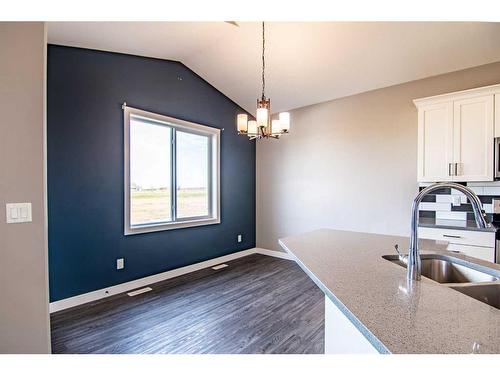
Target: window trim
{"type": "Point", "coordinates": [214, 170]}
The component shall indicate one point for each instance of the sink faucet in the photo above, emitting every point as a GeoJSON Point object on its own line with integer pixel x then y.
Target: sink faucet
{"type": "Point", "coordinates": [413, 260]}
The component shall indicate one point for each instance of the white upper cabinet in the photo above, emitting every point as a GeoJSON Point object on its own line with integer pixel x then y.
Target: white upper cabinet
{"type": "Point", "coordinates": [456, 135]}
{"type": "Point", "coordinates": [497, 115]}
{"type": "Point", "coordinates": [473, 133]}
{"type": "Point", "coordinates": [435, 146]}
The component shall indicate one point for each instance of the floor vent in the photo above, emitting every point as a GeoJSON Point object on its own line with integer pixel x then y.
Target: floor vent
{"type": "Point", "coordinates": [139, 291]}
{"type": "Point", "coordinates": [219, 266]}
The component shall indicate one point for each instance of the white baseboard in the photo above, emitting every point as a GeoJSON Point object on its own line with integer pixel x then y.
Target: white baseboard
{"type": "Point", "coordinates": [273, 253]}
{"type": "Point", "coordinates": [145, 281]}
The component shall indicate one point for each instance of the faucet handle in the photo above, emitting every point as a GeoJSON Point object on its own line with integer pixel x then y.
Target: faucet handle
{"type": "Point", "coordinates": [401, 257]}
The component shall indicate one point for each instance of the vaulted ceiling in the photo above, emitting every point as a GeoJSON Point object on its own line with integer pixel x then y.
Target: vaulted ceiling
{"type": "Point", "coordinates": [306, 62]}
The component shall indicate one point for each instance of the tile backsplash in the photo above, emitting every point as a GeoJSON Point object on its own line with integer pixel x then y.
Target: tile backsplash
{"type": "Point", "coordinates": [451, 204]}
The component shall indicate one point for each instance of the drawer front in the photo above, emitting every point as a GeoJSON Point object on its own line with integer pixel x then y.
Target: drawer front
{"type": "Point", "coordinates": [484, 253]}
{"type": "Point", "coordinates": [461, 237]}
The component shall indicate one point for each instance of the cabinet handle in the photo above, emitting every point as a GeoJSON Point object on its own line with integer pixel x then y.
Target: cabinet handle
{"type": "Point", "coordinates": [456, 169]}
{"type": "Point", "coordinates": [449, 169]}
{"type": "Point", "coordinates": [450, 236]}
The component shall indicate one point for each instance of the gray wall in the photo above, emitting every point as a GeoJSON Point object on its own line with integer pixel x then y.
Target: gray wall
{"type": "Point", "coordinates": [349, 163]}
{"type": "Point", "coordinates": [24, 317]}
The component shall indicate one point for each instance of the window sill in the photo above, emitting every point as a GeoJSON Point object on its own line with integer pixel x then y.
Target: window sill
{"type": "Point", "coordinates": [148, 228]}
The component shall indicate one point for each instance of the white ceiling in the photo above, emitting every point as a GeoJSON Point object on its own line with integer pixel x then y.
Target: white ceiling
{"type": "Point", "coordinates": [306, 62]}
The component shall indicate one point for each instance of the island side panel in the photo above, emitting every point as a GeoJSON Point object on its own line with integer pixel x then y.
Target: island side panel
{"type": "Point", "coordinates": [341, 336]}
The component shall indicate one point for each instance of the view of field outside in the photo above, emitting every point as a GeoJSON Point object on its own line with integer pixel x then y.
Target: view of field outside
{"type": "Point", "coordinates": [154, 205]}
{"type": "Point", "coordinates": [149, 206]}
{"type": "Point", "coordinates": [150, 173]}
{"type": "Point", "coordinates": [192, 175]}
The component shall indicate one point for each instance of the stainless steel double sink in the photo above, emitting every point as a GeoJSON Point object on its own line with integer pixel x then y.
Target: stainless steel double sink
{"type": "Point", "coordinates": [478, 282]}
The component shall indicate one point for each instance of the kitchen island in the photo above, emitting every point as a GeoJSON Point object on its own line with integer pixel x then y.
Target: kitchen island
{"type": "Point", "coordinates": [370, 307]}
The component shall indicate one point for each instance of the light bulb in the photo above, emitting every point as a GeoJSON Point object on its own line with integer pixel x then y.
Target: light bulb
{"type": "Point", "coordinates": [242, 121]}
{"type": "Point", "coordinates": [262, 114]}
{"type": "Point", "coordinates": [276, 126]}
{"type": "Point", "coordinates": [252, 127]}
{"type": "Point", "coordinates": [285, 122]}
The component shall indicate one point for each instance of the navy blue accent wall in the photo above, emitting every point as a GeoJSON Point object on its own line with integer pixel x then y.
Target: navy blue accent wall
{"type": "Point", "coordinates": [86, 89]}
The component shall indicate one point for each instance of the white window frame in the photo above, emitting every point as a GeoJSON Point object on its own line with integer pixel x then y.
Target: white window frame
{"type": "Point", "coordinates": [214, 183]}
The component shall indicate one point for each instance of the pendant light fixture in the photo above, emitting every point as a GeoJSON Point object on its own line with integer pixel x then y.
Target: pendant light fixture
{"type": "Point", "coordinates": [263, 126]}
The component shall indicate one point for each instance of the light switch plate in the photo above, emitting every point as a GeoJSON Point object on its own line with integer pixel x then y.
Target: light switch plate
{"type": "Point", "coordinates": [18, 213]}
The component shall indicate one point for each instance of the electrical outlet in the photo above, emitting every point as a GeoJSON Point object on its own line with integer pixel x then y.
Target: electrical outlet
{"type": "Point", "coordinates": [456, 200]}
{"type": "Point", "coordinates": [120, 264]}
{"type": "Point", "coordinates": [239, 238]}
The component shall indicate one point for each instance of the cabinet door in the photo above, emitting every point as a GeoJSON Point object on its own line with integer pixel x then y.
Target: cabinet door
{"type": "Point", "coordinates": [473, 129]}
{"type": "Point", "coordinates": [479, 252]}
{"type": "Point", "coordinates": [497, 115]}
{"type": "Point", "coordinates": [435, 142]}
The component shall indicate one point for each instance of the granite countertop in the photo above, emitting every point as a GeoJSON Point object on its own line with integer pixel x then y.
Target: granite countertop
{"type": "Point", "coordinates": [374, 294]}
{"type": "Point", "coordinates": [431, 222]}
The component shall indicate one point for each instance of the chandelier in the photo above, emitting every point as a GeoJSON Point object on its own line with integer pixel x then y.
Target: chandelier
{"type": "Point", "coordinates": [263, 126]}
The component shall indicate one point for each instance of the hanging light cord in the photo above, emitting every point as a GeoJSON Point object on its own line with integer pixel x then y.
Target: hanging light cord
{"type": "Point", "coordinates": [263, 60]}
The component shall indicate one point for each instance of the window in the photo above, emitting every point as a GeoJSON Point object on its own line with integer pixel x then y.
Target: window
{"type": "Point", "coordinates": [171, 173]}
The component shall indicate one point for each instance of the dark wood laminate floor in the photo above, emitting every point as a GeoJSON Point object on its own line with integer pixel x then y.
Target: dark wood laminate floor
{"type": "Point", "coordinates": [258, 304]}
